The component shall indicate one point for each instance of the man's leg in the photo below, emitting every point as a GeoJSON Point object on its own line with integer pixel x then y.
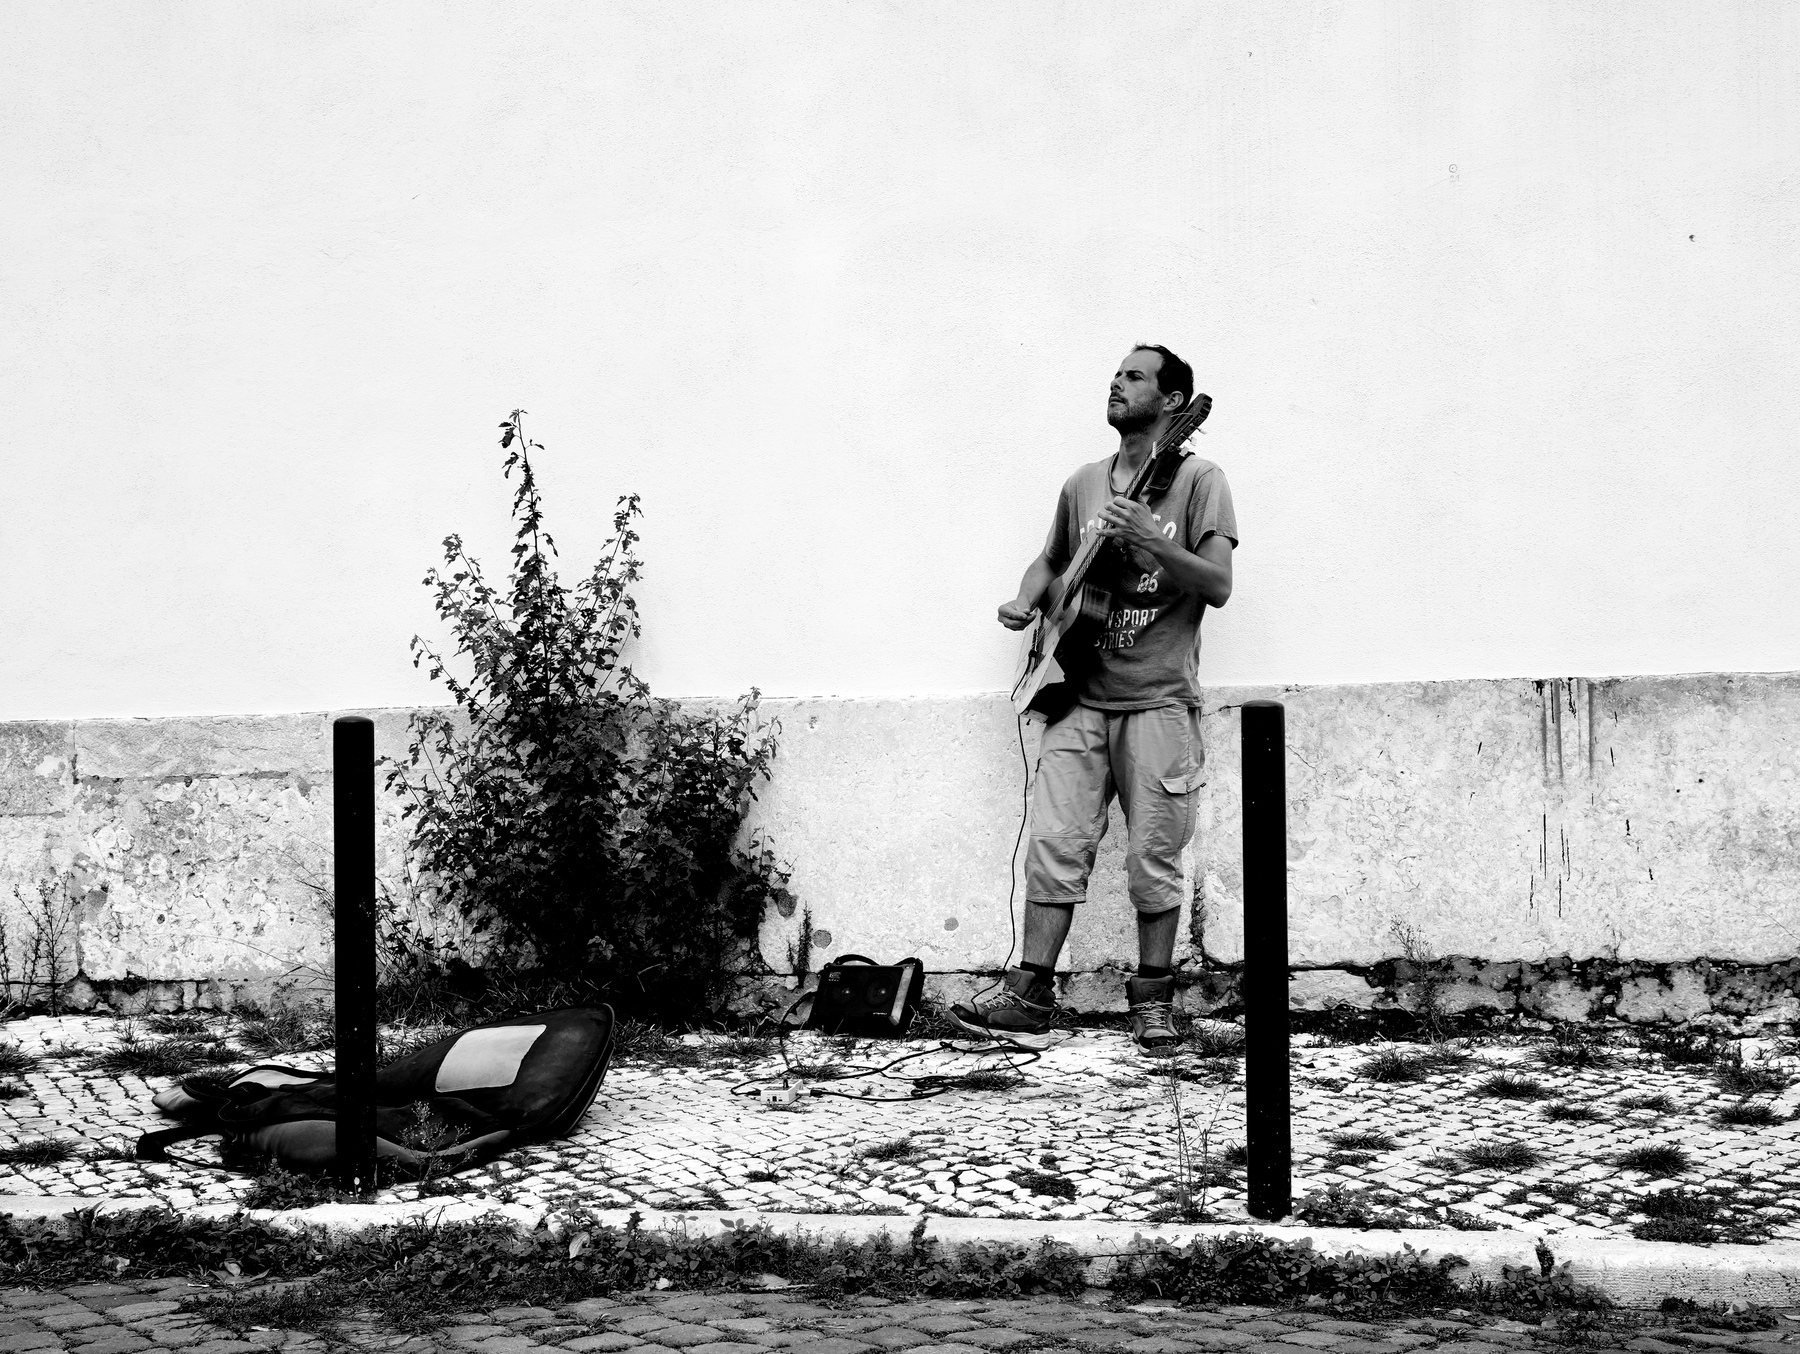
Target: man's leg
{"type": "Point", "coordinates": [1157, 760]}
{"type": "Point", "coordinates": [1046, 928]}
{"type": "Point", "coordinates": [1068, 818]}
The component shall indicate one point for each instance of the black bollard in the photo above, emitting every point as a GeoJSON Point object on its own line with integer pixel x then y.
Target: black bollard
{"type": "Point", "coordinates": [353, 844]}
{"type": "Point", "coordinates": [1267, 1129]}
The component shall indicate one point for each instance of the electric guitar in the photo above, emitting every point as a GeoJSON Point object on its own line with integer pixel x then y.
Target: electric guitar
{"type": "Point", "coordinates": [1062, 639]}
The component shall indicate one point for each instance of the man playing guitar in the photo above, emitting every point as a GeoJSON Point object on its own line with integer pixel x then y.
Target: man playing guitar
{"type": "Point", "coordinates": [1134, 729]}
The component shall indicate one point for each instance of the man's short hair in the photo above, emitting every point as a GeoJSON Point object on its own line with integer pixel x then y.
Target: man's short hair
{"type": "Point", "coordinates": [1175, 375]}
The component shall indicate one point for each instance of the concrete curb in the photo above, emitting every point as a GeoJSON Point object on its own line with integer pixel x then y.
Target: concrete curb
{"type": "Point", "coordinates": [1632, 1273]}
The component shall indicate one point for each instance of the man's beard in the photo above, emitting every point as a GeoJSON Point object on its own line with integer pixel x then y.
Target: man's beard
{"type": "Point", "coordinates": [1127, 420]}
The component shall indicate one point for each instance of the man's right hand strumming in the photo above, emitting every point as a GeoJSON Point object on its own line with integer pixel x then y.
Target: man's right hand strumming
{"type": "Point", "coordinates": [1017, 614]}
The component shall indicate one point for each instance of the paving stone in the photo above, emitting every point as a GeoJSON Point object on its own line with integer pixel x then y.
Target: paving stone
{"type": "Point", "coordinates": [682, 1335]}
{"type": "Point", "coordinates": [591, 1309]}
{"type": "Point", "coordinates": [606, 1342]}
{"type": "Point", "coordinates": [642, 1325]}
{"type": "Point", "coordinates": [140, 1311]}
{"type": "Point", "coordinates": [1159, 1344]}
{"type": "Point", "coordinates": [504, 1344]}
{"type": "Point", "coordinates": [61, 1319]}
{"type": "Point", "coordinates": [897, 1337]}
{"type": "Point", "coordinates": [942, 1323]}
{"type": "Point", "coordinates": [470, 1334]}
{"type": "Point", "coordinates": [997, 1337]}
{"type": "Point", "coordinates": [30, 1339]}
{"type": "Point", "coordinates": [726, 1347]}
{"type": "Point", "coordinates": [743, 1325]}
{"type": "Point", "coordinates": [116, 1342]}
{"type": "Point", "coordinates": [835, 1344]}
{"type": "Point", "coordinates": [943, 1349]}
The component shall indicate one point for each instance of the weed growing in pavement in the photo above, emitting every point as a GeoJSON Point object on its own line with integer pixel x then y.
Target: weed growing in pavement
{"type": "Point", "coordinates": [1687, 1048]}
{"type": "Point", "coordinates": [1216, 1039]}
{"type": "Point", "coordinates": [276, 1188]}
{"type": "Point", "coordinates": [1738, 1077]}
{"type": "Point", "coordinates": [290, 1029]}
{"type": "Point", "coordinates": [175, 1057]}
{"type": "Point", "coordinates": [189, 1024]}
{"type": "Point", "coordinates": [1236, 1155]}
{"type": "Point", "coordinates": [15, 1061]}
{"type": "Point", "coordinates": [1512, 1086]}
{"type": "Point", "coordinates": [11, 1090]}
{"type": "Point", "coordinates": [900, 1149]}
{"type": "Point", "coordinates": [1362, 1140]}
{"type": "Point", "coordinates": [1750, 1114]}
{"type": "Point", "coordinates": [1575, 1046]}
{"type": "Point", "coordinates": [1340, 1205]}
{"type": "Point", "coordinates": [1248, 1268]}
{"type": "Point", "coordinates": [1564, 1112]}
{"type": "Point", "coordinates": [1391, 1064]}
{"type": "Point", "coordinates": [1427, 981]}
{"type": "Point", "coordinates": [35, 1152]}
{"type": "Point", "coordinates": [1500, 1156]}
{"type": "Point", "coordinates": [1196, 1173]}
{"type": "Point", "coordinates": [1549, 1287]}
{"type": "Point", "coordinates": [1678, 1215]}
{"type": "Point", "coordinates": [1656, 1104]}
{"type": "Point", "coordinates": [35, 965]}
{"type": "Point", "coordinates": [1394, 1064]}
{"type": "Point", "coordinates": [295, 1306]}
{"type": "Point", "coordinates": [762, 1177]}
{"type": "Point", "coordinates": [1047, 1183]}
{"type": "Point", "coordinates": [1660, 1160]}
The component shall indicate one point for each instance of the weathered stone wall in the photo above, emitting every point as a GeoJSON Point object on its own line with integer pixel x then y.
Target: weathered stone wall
{"type": "Point", "coordinates": [1624, 847]}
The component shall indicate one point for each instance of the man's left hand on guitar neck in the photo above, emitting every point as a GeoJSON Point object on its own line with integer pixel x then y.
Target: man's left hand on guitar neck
{"type": "Point", "coordinates": [1206, 573]}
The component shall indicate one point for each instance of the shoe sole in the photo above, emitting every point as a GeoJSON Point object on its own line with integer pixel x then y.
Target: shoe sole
{"type": "Point", "coordinates": [1037, 1042]}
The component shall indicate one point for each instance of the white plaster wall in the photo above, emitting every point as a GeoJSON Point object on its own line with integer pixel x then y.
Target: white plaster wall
{"type": "Point", "coordinates": [1495, 301]}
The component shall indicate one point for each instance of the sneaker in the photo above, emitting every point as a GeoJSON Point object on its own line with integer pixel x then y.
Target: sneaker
{"type": "Point", "coordinates": [1152, 1014]}
{"type": "Point", "coordinates": [1023, 1008]}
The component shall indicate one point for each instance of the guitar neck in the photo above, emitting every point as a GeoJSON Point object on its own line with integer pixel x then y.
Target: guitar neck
{"type": "Point", "coordinates": [1177, 432]}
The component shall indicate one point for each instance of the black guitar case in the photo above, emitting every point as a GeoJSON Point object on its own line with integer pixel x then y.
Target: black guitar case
{"type": "Point", "coordinates": [459, 1102]}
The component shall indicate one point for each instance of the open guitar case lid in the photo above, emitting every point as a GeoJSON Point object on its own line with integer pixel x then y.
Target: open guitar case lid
{"type": "Point", "coordinates": [475, 1095]}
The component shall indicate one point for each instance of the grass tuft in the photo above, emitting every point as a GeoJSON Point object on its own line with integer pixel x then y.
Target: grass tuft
{"type": "Point", "coordinates": [1575, 1046]}
{"type": "Point", "coordinates": [1500, 1156]}
{"type": "Point", "coordinates": [1512, 1086]}
{"type": "Point", "coordinates": [175, 1057]}
{"type": "Point", "coordinates": [1362, 1140]}
{"type": "Point", "coordinates": [1660, 1160]}
{"type": "Point", "coordinates": [35, 1152]}
{"type": "Point", "coordinates": [1677, 1215]}
{"type": "Point", "coordinates": [1688, 1048]}
{"type": "Point", "coordinates": [11, 1090]}
{"type": "Point", "coordinates": [186, 1024]}
{"type": "Point", "coordinates": [1216, 1040]}
{"type": "Point", "coordinates": [1656, 1104]}
{"type": "Point", "coordinates": [900, 1149]}
{"type": "Point", "coordinates": [15, 1061]}
{"type": "Point", "coordinates": [1565, 1113]}
{"type": "Point", "coordinates": [1750, 1114]}
{"type": "Point", "coordinates": [291, 1029]}
{"type": "Point", "coordinates": [1738, 1077]}
{"type": "Point", "coordinates": [1390, 1064]}
{"type": "Point", "coordinates": [1047, 1183]}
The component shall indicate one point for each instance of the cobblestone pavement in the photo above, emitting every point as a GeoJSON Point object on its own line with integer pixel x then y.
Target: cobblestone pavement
{"type": "Point", "coordinates": [1086, 1131]}
{"type": "Point", "coordinates": [126, 1318]}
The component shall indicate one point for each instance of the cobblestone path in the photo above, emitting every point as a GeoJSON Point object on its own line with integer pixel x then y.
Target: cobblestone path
{"type": "Point", "coordinates": [1087, 1131]}
{"type": "Point", "coordinates": [126, 1318]}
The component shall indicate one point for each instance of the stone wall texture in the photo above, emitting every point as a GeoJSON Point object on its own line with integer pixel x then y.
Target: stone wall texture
{"type": "Point", "coordinates": [1563, 847]}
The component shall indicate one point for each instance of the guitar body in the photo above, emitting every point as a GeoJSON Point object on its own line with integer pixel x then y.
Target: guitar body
{"type": "Point", "coordinates": [1064, 640]}
{"type": "Point", "coordinates": [1057, 651]}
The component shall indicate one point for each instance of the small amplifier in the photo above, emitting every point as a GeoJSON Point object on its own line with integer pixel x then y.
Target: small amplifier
{"type": "Point", "coordinates": [859, 997]}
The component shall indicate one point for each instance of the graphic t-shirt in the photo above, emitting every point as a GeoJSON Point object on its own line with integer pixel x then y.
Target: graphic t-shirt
{"type": "Point", "coordinates": [1149, 654]}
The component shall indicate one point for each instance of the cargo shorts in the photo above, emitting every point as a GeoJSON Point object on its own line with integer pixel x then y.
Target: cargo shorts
{"type": "Point", "coordinates": [1152, 761]}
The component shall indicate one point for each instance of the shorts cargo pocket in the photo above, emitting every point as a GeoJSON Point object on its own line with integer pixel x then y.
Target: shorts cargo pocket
{"type": "Point", "coordinates": [1176, 823]}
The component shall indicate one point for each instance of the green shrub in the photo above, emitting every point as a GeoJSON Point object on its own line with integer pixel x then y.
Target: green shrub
{"type": "Point", "coordinates": [581, 827]}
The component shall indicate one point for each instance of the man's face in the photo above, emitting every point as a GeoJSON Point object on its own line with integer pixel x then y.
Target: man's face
{"type": "Point", "coordinates": [1135, 400]}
